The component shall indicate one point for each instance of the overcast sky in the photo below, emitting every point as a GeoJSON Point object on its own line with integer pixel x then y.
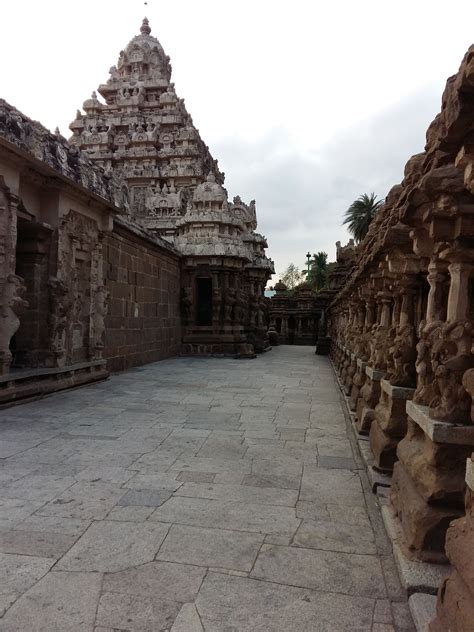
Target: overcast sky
{"type": "Point", "coordinates": [305, 104]}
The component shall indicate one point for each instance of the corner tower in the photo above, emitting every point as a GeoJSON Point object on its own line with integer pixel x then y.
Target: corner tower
{"type": "Point", "coordinates": [143, 132]}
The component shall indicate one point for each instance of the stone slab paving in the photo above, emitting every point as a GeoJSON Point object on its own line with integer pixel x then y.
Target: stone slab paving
{"type": "Point", "coordinates": [193, 495]}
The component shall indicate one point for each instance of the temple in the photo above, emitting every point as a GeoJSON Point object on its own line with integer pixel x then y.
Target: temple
{"type": "Point", "coordinates": [120, 246]}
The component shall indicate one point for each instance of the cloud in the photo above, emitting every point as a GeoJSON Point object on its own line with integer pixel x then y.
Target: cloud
{"type": "Point", "coordinates": [302, 193]}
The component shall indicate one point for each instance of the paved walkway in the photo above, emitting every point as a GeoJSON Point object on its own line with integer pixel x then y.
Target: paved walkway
{"type": "Point", "coordinates": [188, 495]}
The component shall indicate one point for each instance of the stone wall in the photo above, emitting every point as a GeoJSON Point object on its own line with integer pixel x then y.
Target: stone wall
{"type": "Point", "coordinates": [142, 279]}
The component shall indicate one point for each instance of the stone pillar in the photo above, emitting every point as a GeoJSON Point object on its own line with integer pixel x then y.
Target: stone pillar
{"type": "Point", "coordinates": [390, 417]}
{"type": "Point", "coordinates": [458, 299]}
{"type": "Point", "coordinates": [375, 369]}
{"type": "Point", "coordinates": [436, 308]}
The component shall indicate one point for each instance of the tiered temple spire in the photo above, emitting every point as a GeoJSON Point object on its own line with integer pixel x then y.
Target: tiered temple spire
{"type": "Point", "coordinates": [144, 132]}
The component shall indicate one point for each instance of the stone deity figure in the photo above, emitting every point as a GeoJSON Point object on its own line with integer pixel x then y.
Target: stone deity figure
{"type": "Point", "coordinates": [12, 305]}
{"type": "Point", "coordinates": [254, 305]}
{"type": "Point", "coordinates": [60, 309]}
{"type": "Point", "coordinates": [98, 321]}
{"type": "Point", "coordinates": [229, 303]}
{"type": "Point", "coordinates": [427, 333]}
{"type": "Point", "coordinates": [451, 357]}
{"type": "Point", "coordinates": [216, 304]}
{"type": "Point", "coordinates": [186, 304]}
{"type": "Point", "coordinates": [401, 371]}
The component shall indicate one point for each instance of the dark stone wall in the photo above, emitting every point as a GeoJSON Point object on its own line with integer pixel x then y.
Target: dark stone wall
{"type": "Point", "coordinates": [143, 320]}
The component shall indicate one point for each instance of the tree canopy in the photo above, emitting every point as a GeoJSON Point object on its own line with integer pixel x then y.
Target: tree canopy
{"type": "Point", "coordinates": [291, 276]}
{"type": "Point", "coordinates": [360, 214]}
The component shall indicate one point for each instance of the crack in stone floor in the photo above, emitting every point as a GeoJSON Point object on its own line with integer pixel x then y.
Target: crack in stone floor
{"type": "Point", "coordinates": [190, 495]}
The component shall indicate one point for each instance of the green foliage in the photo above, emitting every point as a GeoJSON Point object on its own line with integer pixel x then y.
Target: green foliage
{"type": "Point", "coordinates": [317, 274]}
{"type": "Point", "coordinates": [360, 214]}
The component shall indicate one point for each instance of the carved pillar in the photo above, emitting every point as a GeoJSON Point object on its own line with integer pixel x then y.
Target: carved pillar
{"type": "Point", "coordinates": [390, 423]}
{"type": "Point", "coordinates": [436, 308]}
{"type": "Point", "coordinates": [458, 299]}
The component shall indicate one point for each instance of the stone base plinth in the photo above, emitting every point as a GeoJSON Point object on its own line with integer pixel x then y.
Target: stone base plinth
{"type": "Point", "coordinates": [22, 385]}
{"type": "Point", "coordinates": [416, 576]}
{"type": "Point", "coordinates": [423, 525]}
{"type": "Point", "coordinates": [214, 341]}
{"type": "Point", "coordinates": [428, 483]}
{"type": "Point", "coordinates": [455, 604]}
{"type": "Point", "coordinates": [369, 397]}
{"type": "Point", "coordinates": [389, 425]}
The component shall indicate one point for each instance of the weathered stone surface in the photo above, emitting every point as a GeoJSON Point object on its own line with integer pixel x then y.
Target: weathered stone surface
{"type": "Point", "coordinates": [84, 501]}
{"type": "Point", "coordinates": [330, 536]}
{"type": "Point", "coordinates": [187, 620]}
{"type": "Point", "coordinates": [345, 573]}
{"type": "Point", "coordinates": [125, 543]}
{"type": "Point", "coordinates": [144, 498]}
{"type": "Point", "coordinates": [224, 515]}
{"type": "Point", "coordinates": [147, 614]}
{"type": "Point", "coordinates": [320, 486]}
{"type": "Point", "coordinates": [58, 602]}
{"type": "Point", "coordinates": [240, 493]}
{"type": "Point", "coordinates": [211, 547]}
{"type": "Point", "coordinates": [19, 572]}
{"type": "Point", "coordinates": [176, 582]}
{"type": "Point", "coordinates": [250, 605]}
{"type": "Point", "coordinates": [36, 543]}
{"type": "Point", "coordinates": [109, 546]}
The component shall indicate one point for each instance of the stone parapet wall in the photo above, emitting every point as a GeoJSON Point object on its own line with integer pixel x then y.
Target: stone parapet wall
{"type": "Point", "coordinates": [406, 313]}
{"type": "Point", "coordinates": [143, 281]}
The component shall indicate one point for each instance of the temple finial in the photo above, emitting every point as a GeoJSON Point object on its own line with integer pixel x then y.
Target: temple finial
{"type": "Point", "coordinates": [145, 27]}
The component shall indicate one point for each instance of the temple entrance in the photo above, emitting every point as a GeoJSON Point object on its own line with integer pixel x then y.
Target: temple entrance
{"type": "Point", "coordinates": [204, 302]}
{"type": "Point", "coordinates": [29, 346]}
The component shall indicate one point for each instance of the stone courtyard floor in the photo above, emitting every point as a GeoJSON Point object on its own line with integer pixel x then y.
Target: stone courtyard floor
{"type": "Point", "coordinates": [193, 494]}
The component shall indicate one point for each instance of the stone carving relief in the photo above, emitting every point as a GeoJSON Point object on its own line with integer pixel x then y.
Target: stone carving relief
{"type": "Point", "coordinates": [12, 306]}
{"type": "Point", "coordinates": [58, 318]}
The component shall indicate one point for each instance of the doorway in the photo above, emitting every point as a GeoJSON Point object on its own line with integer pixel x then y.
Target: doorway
{"type": "Point", "coordinates": [204, 302]}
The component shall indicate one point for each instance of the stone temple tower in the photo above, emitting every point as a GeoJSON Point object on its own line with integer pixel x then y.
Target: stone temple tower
{"type": "Point", "coordinates": [144, 134]}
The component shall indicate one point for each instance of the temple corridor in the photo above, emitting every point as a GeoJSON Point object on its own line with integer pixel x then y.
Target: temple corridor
{"type": "Point", "coordinates": [190, 495]}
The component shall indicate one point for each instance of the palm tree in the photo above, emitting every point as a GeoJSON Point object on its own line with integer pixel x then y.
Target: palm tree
{"type": "Point", "coordinates": [360, 214]}
{"type": "Point", "coordinates": [317, 273]}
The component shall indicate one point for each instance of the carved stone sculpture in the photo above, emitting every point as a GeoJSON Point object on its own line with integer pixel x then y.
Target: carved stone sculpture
{"type": "Point", "coordinates": [12, 305]}
{"type": "Point", "coordinates": [60, 310]}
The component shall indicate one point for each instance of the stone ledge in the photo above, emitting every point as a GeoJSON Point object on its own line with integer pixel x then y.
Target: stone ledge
{"type": "Point", "coordinates": [30, 384]}
{"type": "Point", "coordinates": [423, 610]}
{"type": "Point", "coordinates": [415, 576]}
{"type": "Point", "coordinates": [374, 374]}
{"type": "Point", "coordinates": [439, 431]}
{"type": "Point", "coordinates": [396, 392]}
{"type": "Point", "coordinates": [361, 364]}
{"type": "Point", "coordinates": [470, 473]}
